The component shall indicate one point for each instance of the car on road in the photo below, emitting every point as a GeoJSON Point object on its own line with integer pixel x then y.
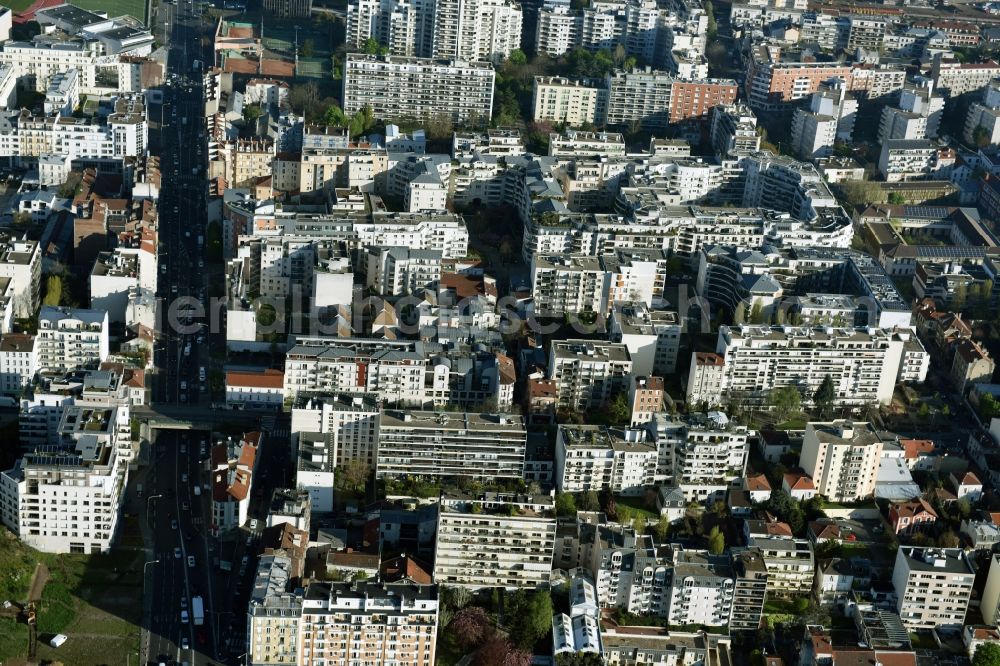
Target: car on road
{"type": "Point", "coordinates": [185, 506]}
{"type": "Point", "coordinates": [184, 643]}
{"type": "Point", "coordinates": [184, 602]}
{"type": "Point", "coordinates": [173, 524]}
{"type": "Point", "coordinates": [191, 561]}
{"type": "Point", "coordinates": [177, 553]}
{"type": "Point", "coordinates": [184, 478]}
{"type": "Point", "coordinates": [184, 617]}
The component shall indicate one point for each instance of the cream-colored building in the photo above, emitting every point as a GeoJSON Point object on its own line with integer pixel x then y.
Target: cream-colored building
{"type": "Point", "coordinates": [933, 586]}
{"type": "Point", "coordinates": [368, 622]}
{"type": "Point", "coordinates": [842, 458]}
{"type": "Point", "coordinates": [563, 100]}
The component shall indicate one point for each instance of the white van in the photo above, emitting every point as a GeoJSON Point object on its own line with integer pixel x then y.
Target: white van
{"type": "Point", "coordinates": [58, 640]}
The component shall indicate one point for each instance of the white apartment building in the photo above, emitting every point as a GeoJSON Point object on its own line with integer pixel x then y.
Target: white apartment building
{"type": "Point", "coordinates": [494, 540]}
{"type": "Point", "coordinates": [703, 455]}
{"type": "Point", "coordinates": [701, 590]}
{"type": "Point", "coordinates": [367, 622]}
{"type": "Point", "coordinates": [652, 337]}
{"type": "Point", "coordinates": [909, 159]}
{"type": "Point", "coordinates": [734, 130]}
{"type": "Point", "coordinates": [990, 602]}
{"type": "Point", "coordinates": [476, 29]}
{"type": "Point", "coordinates": [590, 457]}
{"type": "Point", "coordinates": [70, 338]}
{"type": "Point", "coordinates": [393, 371]}
{"type": "Point", "coordinates": [842, 457]}
{"type": "Point", "coordinates": [630, 572]}
{"type": "Point", "coordinates": [398, 271]}
{"type": "Point", "coordinates": [114, 274]}
{"type": "Point", "coordinates": [405, 27]}
{"type": "Point", "coordinates": [67, 498]}
{"type": "Point", "coordinates": [562, 284]}
{"type": "Point", "coordinates": [349, 423]}
{"type": "Point", "coordinates": [400, 88]}
{"type": "Point", "coordinates": [933, 586]}
{"type": "Point", "coordinates": [18, 362]}
{"type": "Point", "coordinates": [829, 117]}
{"type": "Point", "coordinates": [790, 563]}
{"type": "Point", "coordinates": [21, 263]}
{"type": "Point", "coordinates": [561, 100]}
{"type": "Point", "coordinates": [446, 444]}
{"type": "Point", "coordinates": [864, 364]}
{"type": "Point", "coordinates": [588, 373]}
{"type": "Point", "coordinates": [983, 119]}
{"type": "Point", "coordinates": [959, 78]}
{"type": "Point", "coordinates": [917, 115]}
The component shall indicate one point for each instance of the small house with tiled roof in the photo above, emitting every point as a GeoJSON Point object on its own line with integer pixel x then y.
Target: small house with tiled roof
{"type": "Point", "coordinates": [799, 485]}
{"type": "Point", "coordinates": [908, 517]}
{"type": "Point", "coordinates": [967, 486]}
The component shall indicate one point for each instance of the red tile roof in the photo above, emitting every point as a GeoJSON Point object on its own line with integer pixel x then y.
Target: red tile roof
{"type": "Point", "coordinates": [269, 378]}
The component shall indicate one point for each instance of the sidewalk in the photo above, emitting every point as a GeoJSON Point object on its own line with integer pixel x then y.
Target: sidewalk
{"type": "Point", "coordinates": [139, 507]}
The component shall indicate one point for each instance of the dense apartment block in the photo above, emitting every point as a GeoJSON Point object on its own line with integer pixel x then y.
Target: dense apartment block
{"type": "Point", "coordinates": [368, 622]}
{"type": "Point", "coordinates": [842, 457]}
{"type": "Point", "coordinates": [790, 564]}
{"type": "Point", "coordinates": [863, 364]}
{"type": "Point", "coordinates": [448, 444]}
{"type": "Point", "coordinates": [67, 497]}
{"type": "Point", "coordinates": [630, 571]}
{"type": "Point", "coordinates": [494, 540]}
{"type": "Point", "coordinates": [652, 336]}
{"type": "Point", "coordinates": [701, 589]}
{"type": "Point", "coordinates": [561, 100]}
{"type": "Point", "coordinates": [588, 373]}
{"type": "Point", "coordinates": [656, 99]}
{"type": "Point", "coordinates": [399, 88]}
{"type": "Point", "coordinates": [590, 457]}
{"type": "Point", "coordinates": [70, 338]}
{"type": "Point", "coordinates": [701, 454]}
{"type": "Point", "coordinates": [933, 586]}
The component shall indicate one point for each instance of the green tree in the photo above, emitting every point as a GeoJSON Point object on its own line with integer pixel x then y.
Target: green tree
{"type": "Point", "coordinates": [334, 116]}
{"type": "Point", "coordinates": [987, 654]}
{"type": "Point", "coordinates": [989, 407]}
{"type": "Point", "coordinates": [801, 605]}
{"type": "Point", "coordinates": [662, 529]}
{"type": "Point", "coordinates": [373, 47]}
{"type": "Point", "coordinates": [960, 297]}
{"type": "Point", "coordinates": [785, 401]}
{"type": "Point", "coordinates": [757, 312]}
{"type": "Point", "coordinates": [896, 198]}
{"type": "Point", "coordinates": [825, 396]}
{"type": "Point", "coordinates": [353, 476]}
{"type": "Point", "coordinates": [739, 313]}
{"type": "Point", "coordinates": [517, 58]}
{"type": "Point", "coordinates": [21, 219]}
{"type": "Point", "coordinates": [713, 27]}
{"type": "Point", "coordinates": [308, 48]}
{"type": "Point", "coordinates": [53, 290]}
{"type": "Point", "coordinates": [618, 411]}
{"type": "Point", "coordinates": [590, 501]}
{"type": "Point", "coordinates": [252, 112]}
{"type": "Point", "coordinates": [529, 617]}
{"type": "Point", "coordinates": [565, 504]}
{"type": "Point", "coordinates": [716, 541]}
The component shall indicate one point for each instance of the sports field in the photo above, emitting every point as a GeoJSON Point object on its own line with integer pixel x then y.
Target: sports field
{"type": "Point", "coordinates": [136, 8]}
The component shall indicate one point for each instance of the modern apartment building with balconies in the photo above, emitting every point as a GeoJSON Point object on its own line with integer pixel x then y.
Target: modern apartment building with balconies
{"type": "Point", "coordinates": [495, 540]}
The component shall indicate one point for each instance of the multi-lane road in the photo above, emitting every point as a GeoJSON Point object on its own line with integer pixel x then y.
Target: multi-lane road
{"type": "Point", "coordinates": [176, 494]}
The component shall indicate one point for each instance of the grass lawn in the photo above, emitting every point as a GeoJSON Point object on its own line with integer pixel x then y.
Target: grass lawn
{"type": "Point", "coordinates": [638, 507]}
{"type": "Point", "coordinates": [96, 600]}
{"type": "Point", "coordinates": [136, 8]}
{"type": "Point", "coordinates": [448, 653]}
{"type": "Point", "coordinates": [17, 5]}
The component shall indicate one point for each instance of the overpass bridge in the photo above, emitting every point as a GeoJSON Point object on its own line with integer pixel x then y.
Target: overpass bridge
{"type": "Point", "coordinates": [166, 416]}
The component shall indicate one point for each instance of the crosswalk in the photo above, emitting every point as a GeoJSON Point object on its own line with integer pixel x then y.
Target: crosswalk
{"type": "Point", "coordinates": [274, 429]}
